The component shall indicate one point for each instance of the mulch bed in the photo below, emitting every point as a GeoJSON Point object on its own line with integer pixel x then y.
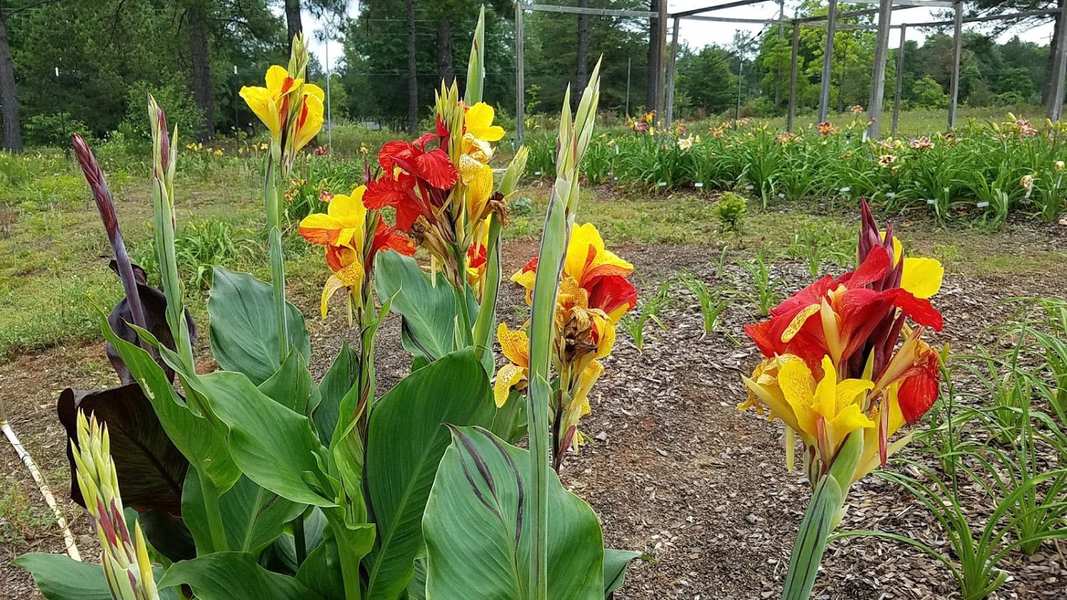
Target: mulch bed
{"type": "Point", "coordinates": [671, 467]}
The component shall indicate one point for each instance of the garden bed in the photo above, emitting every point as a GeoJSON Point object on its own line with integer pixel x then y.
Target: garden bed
{"type": "Point", "coordinates": [671, 466]}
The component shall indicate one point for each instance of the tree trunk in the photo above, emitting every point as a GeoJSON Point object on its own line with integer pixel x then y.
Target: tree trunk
{"type": "Point", "coordinates": [583, 49]}
{"type": "Point", "coordinates": [200, 62]}
{"type": "Point", "coordinates": [1046, 89]}
{"type": "Point", "coordinates": [293, 25]}
{"type": "Point", "coordinates": [653, 56]}
{"type": "Point", "coordinates": [413, 81]}
{"type": "Point", "coordinates": [8, 94]}
{"type": "Point", "coordinates": [444, 51]}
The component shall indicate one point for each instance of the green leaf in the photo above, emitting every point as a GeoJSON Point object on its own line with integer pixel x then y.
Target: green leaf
{"type": "Point", "coordinates": [335, 384]}
{"type": "Point", "coordinates": [405, 443]}
{"type": "Point", "coordinates": [273, 445]}
{"type": "Point", "coordinates": [234, 576]}
{"type": "Point", "coordinates": [321, 570]}
{"type": "Point", "coordinates": [244, 337]}
{"type": "Point", "coordinates": [811, 539]}
{"type": "Point", "coordinates": [478, 530]}
{"type": "Point", "coordinates": [253, 516]}
{"type": "Point", "coordinates": [615, 564]}
{"type": "Point", "coordinates": [428, 311]}
{"type": "Point", "coordinates": [150, 468]}
{"type": "Point", "coordinates": [59, 577]}
{"type": "Point", "coordinates": [200, 440]}
{"type": "Point", "coordinates": [291, 385]}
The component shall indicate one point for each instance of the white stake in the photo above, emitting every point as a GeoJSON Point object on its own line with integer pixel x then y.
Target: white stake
{"type": "Point", "coordinates": [50, 500]}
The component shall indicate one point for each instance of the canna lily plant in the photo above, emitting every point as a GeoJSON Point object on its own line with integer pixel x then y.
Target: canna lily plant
{"type": "Point", "coordinates": [275, 484]}
{"type": "Point", "coordinates": [844, 368]}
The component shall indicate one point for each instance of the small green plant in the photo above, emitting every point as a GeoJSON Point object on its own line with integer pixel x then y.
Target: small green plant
{"type": "Point", "coordinates": [760, 274]}
{"type": "Point", "coordinates": [521, 207]}
{"type": "Point", "coordinates": [201, 246]}
{"type": "Point", "coordinates": [817, 243]}
{"type": "Point", "coordinates": [647, 310]}
{"type": "Point", "coordinates": [712, 302]}
{"type": "Point", "coordinates": [731, 209]}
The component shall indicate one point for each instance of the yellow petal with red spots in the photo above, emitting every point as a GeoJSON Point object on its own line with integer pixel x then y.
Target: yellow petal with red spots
{"type": "Point", "coordinates": [798, 322]}
{"type": "Point", "coordinates": [514, 344]}
{"type": "Point", "coordinates": [507, 377]}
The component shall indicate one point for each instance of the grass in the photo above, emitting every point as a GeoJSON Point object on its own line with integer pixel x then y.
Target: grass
{"type": "Point", "coordinates": [53, 253]}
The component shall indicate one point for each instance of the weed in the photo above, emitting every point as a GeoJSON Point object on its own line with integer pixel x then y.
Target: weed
{"type": "Point", "coordinates": [760, 275]}
{"type": "Point", "coordinates": [647, 310]}
{"type": "Point", "coordinates": [711, 300]}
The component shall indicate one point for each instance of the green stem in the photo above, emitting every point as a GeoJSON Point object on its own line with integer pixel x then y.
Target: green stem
{"type": "Point", "coordinates": [299, 541]}
{"type": "Point", "coordinates": [459, 290]}
{"type": "Point", "coordinates": [350, 556]}
{"type": "Point", "coordinates": [214, 515]}
{"type": "Point", "coordinates": [483, 326]}
{"type": "Point", "coordinates": [277, 274]}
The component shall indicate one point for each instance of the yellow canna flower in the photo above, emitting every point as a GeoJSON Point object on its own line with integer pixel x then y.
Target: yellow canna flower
{"type": "Point", "coordinates": [479, 123]}
{"type": "Point", "coordinates": [515, 345]}
{"type": "Point", "coordinates": [921, 276]}
{"type": "Point", "coordinates": [822, 411]}
{"type": "Point", "coordinates": [478, 177]}
{"type": "Point", "coordinates": [342, 224]}
{"type": "Point", "coordinates": [273, 103]}
{"type": "Point", "coordinates": [870, 459]}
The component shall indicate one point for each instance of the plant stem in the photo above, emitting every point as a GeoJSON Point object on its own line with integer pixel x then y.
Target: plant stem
{"type": "Point", "coordinates": [210, 495]}
{"type": "Point", "coordinates": [272, 205]}
{"type": "Point", "coordinates": [487, 310]}
{"type": "Point", "coordinates": [299, 541]}
{"type": "Point", "coordinates": [459, 290]}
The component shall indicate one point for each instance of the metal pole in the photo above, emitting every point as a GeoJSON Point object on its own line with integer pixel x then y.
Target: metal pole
{"type": "Point", "coordinates": [900, 79]}
{"type": "Point", "coordinates": [329, 114]}
{"type": "Point", "coordinates": [827, 62]}
{"type": "Point", "coordinates": [628, 59]}
{"type": "Point", "coordinates": [520, 84]}
{"type": "Point", "coordinates": [1059, 71]}
{"type": "Point", "coordinates": [778, 73]}
{"type": "Point", "coordinates": [881, 50]}
{"type": "Point", "coordinates": [236, 104]}
{"type": "Point", "coordinates": [791, 118]}
{"type": "Point", "coordinates": [957, 51]}
{"type": "Point", "coordinates": [670, 74]}
{"type": "Point", "coordinates": [661, 74]}
{"type": "Point", "coordinates": [740, 79]}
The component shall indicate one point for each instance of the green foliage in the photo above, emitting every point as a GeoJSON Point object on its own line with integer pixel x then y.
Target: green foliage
{"type": "Point", "coordinates": [51, 129]}
{"type": "Point", "coordinates": [181, 108]}
{"type": "Point", "coordinates": [927, 93]}
{"type": "Point", "coordinates": [760, 276]}
{"type": "Point", "coordinates": [200, 247]}
{"type": "Point", "coordinates": [648, 309]}
{"type": "Point", "coordinates": [731, 209]}
{"type": "Point", "coordinates": [712, 301]}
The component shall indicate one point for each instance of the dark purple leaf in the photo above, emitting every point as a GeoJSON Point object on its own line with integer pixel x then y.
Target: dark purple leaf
{"type": "Point", "coordinates": [150, 468]}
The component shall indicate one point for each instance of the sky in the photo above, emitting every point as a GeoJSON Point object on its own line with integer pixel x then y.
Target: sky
{"type": "Point", "coordinates": [697, 33]}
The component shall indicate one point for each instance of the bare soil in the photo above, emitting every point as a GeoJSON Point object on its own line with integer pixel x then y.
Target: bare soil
{"type": "Point", "coordinates": [672, 468]}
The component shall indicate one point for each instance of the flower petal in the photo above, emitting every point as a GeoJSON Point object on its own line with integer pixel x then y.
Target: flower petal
{"type": "Point", "coordinates": [922, 276]}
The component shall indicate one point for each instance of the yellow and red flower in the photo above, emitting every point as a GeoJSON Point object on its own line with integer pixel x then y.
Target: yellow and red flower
{"type": "Point", "coordinates": [597, 270]}
{"type": "Point", "coordinates": [342, 231]}
{"type": "Point", "coordinates": [273, 103]}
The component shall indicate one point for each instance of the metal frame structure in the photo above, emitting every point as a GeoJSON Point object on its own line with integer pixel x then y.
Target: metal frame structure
{"type": "Point", "coordinates": [665, 64]}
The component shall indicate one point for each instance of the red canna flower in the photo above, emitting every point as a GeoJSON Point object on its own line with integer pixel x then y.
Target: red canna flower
{"type": "Point", "coordinates": [415, 181]}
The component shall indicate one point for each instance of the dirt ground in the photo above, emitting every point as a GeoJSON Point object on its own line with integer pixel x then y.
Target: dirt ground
{"type": "Point", "coordinates": [672, 468]}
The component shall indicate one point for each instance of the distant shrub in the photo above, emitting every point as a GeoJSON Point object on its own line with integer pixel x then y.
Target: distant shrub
{"type": "Point", "coordinates": [52, 129]}
{"type": "Point", "coordinates": [179, 103]}
{"type": "Point", "coordinates": [731, 210]}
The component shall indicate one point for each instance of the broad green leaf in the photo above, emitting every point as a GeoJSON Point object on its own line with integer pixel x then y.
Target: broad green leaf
{"type": "Point", "coordinates": [615, 564]}
{"type": "Point", "coordinates": [234, 576]}
{"type": "Point", "coordinates": [478, 531]}
{"type": "Point", "coordinates": [200, 440]}
{"type": "Point", "coordinates": [59, 577]}
{"type": "Point", "coordinates": [429, 311]}
{"type": "Point", "coordinates": [406, 439]}
{"type": "Point", "coordinates": [811, 539]}
{"type": "Point", "coordinates": [150, 468]}
{"type": "Point", "coordinates": [253, 516]}
{"type": "Point", "coordinates": [291, 385]}
{"type": "Point", "coordinates": [244, 336]}
{"type": "Point", "coordinates": [274, 446]}
{"type": "Point", "coordinates": [335, 384]}
{"type": "Point", "coordinates": [321, 570]}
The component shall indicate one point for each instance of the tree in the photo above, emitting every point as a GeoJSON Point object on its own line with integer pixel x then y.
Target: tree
{"type": "Point", "coordinates": [413, 81]}
{"type": "Point", "coordinates": [582, 75]}
{"type": "Point", "coordinates": [704, 79]}
{"type": "Point", "coordinates": [200, 62]}
{"type": "Point", "coordinates": [9, 92]}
